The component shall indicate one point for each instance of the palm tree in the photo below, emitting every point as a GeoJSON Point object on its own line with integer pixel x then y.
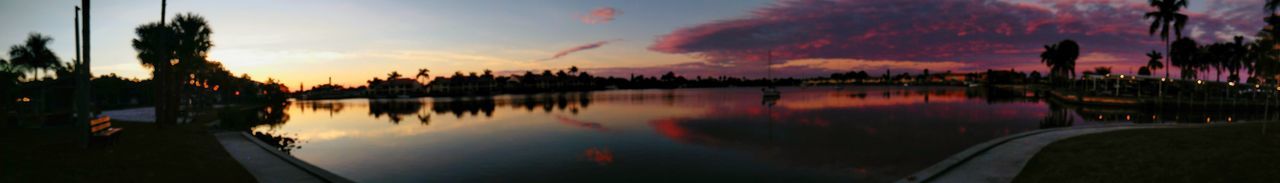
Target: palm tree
{"type": "Point", "coordinates": [1183, 53]}
{"type": "Point", "coordinates": [34, 54]}
{"type": "Point", "coordinates": [191, 50]}
{"type": "Point", "coordinates": [423, 73]}
{"type": "Point", "coordinates": [1061, 58]}
{"type": "Point", "coordinates": [1262, 54]}
{"type": "Point", "coordinates": [1047, 58]}
{"type": "Point", "coordinates": [1154, 62]}
{"type": "Point", "coordinates": [154, 44]}
{"type": "Point", "coordinates": [393, 75]}
{"type": "Point", "coordinates": [1166, 16]}
{"type": "Point", "coordinates": [193, 43]}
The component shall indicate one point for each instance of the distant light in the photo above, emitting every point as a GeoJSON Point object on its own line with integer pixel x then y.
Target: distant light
{"type": "Point", "coordinates": [1199, 81]}
{"type": "Point", "coordinates": [1233, 83]}
{"type": "Point", "coordinates": [1163, 79]}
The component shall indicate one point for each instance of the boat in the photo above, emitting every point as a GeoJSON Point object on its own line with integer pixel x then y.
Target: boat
{"type": "Point", "coordinates": [770, 91]}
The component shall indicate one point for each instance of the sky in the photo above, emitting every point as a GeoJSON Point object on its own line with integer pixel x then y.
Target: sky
{"type": "Point", "coordinates": [308, 42]}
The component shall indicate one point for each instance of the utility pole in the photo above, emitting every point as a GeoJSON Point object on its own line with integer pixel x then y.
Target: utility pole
{"type": "Point", "coordinates": [163, 90]}
{"type": "Point", "coordinates": [82, 84]}
{"type": "Point", "coordinates": [76, 24]}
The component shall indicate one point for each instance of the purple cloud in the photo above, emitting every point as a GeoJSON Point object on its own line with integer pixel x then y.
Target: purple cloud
{"type": "Point", "coordinates": [982, 33]}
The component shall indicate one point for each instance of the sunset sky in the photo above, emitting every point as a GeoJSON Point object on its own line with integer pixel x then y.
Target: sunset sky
{"type": "Point", "coordinates": [352, 41]}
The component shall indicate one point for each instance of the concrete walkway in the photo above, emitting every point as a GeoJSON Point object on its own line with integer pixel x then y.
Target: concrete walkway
{"type": "Point", "coordinates": [141, 114]}
{"type": "Point", "coordinates": [269, 165]}
{"type": "Point", "coordinates": [1001, 159]}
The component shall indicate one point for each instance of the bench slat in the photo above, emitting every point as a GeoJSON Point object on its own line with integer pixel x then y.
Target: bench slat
{"type": "Point", "coordinates": [99, 120]}
{"type": "Point", "coordinates": [108, 132]}
{"type": "Point", "coordinates": [99, 128]}
{"type": "Point", "coordinates": [98, 124]}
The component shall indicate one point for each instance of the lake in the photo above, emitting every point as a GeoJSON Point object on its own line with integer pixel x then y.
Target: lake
{"type": "Point", "coordinates": [823, 134]}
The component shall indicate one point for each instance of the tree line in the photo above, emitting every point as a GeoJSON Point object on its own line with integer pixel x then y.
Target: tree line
{"type": "Point", "coordinates": [34, 80]}
{"type": "Point", "coordinates": [1195, 61]}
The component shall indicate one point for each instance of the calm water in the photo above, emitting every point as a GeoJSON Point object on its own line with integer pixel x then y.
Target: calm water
{"type": "Point", "coordinates": [859, 134]}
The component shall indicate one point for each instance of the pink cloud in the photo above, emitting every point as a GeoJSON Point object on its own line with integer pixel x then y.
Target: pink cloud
{"type": "Point", "coordinates": [600, 15]}
{"type": "Point", "coordinates": [588, 46]}
{"type": "Point", "coordinates": [982, 33]}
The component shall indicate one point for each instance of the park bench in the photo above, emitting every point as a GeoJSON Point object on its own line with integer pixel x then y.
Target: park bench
{"type": "Point", "coordinates": [101, 130]}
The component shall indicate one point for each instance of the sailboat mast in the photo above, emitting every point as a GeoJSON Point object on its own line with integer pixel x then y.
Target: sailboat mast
{"type": "Point", "coordinates": [768, 67]}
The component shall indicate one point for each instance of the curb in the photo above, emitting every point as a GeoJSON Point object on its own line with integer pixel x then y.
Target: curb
{"type": "Point", "coordinates": [307, 167]}
{"type": "Point", "coordinates": [946, 165]}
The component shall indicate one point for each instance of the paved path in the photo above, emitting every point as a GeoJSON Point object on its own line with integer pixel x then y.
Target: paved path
{"type": "Point", "coordinates": [1001, 159]}
{"type": "Point", "coordinates": [141, 114]}
{"type": "Point", "coordinates": [268, 165]}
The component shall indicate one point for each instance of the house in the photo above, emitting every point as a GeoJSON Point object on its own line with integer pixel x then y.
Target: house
{"type": "Point", "coordinates": [397, 87]}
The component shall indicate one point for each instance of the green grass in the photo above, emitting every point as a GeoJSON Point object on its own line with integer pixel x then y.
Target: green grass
{"type": "Point", "coordinates": [1225, 153]}
{"type": "Point", "coordinates": [144, 153]}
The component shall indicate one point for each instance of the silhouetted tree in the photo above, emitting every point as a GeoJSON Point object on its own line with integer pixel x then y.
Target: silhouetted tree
{"type": "Point", "coordinates": [34, 54]}
{"type": "Point", "coordinates": [154, 44]}
{"type": "Point", "coordinates": [1183, 54]}
{"type": "Point", "coordinates": [423, 73]}
{"type": "Point", "coordinates": [1165, 17]}
{"type": "Point", "coordinates": [1061, 58]}
{"type": "Point", "coordinates": [1154, 60]}
{"type": "Point", "coordinates": [393, 75]}
{"type": "Point", "coordinates": [1143, 71]}
{"type": "Point", "coordinates": [191, 50]}
{"type": "Point", "coordinates": [9, 75]}
{"type": "Point", "coordinates": [1265, 66]}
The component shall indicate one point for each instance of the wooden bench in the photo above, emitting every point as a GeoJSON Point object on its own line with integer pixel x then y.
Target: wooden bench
{"type": "Point", "coordinates": [101, 130]}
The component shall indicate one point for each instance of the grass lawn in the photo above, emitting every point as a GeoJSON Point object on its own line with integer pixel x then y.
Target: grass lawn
{"type": "Point", "coordinates": [145, 153]}
{"type": "Point", "coordinates": [1226, 153]}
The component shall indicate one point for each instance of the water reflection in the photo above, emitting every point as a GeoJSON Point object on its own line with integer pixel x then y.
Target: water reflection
{"type": "Point", "coordinates": [581, 124]}
{"type": "Point", "coordinates": [872, 134]}
{"type": "Point", "coordinates": [395, 110]}
{"type": "Point", "coordinates": [601, 156]}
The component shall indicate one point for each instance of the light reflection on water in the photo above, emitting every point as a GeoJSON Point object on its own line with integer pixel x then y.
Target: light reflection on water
{"type": "Point", "coordinates": [863, 134]}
